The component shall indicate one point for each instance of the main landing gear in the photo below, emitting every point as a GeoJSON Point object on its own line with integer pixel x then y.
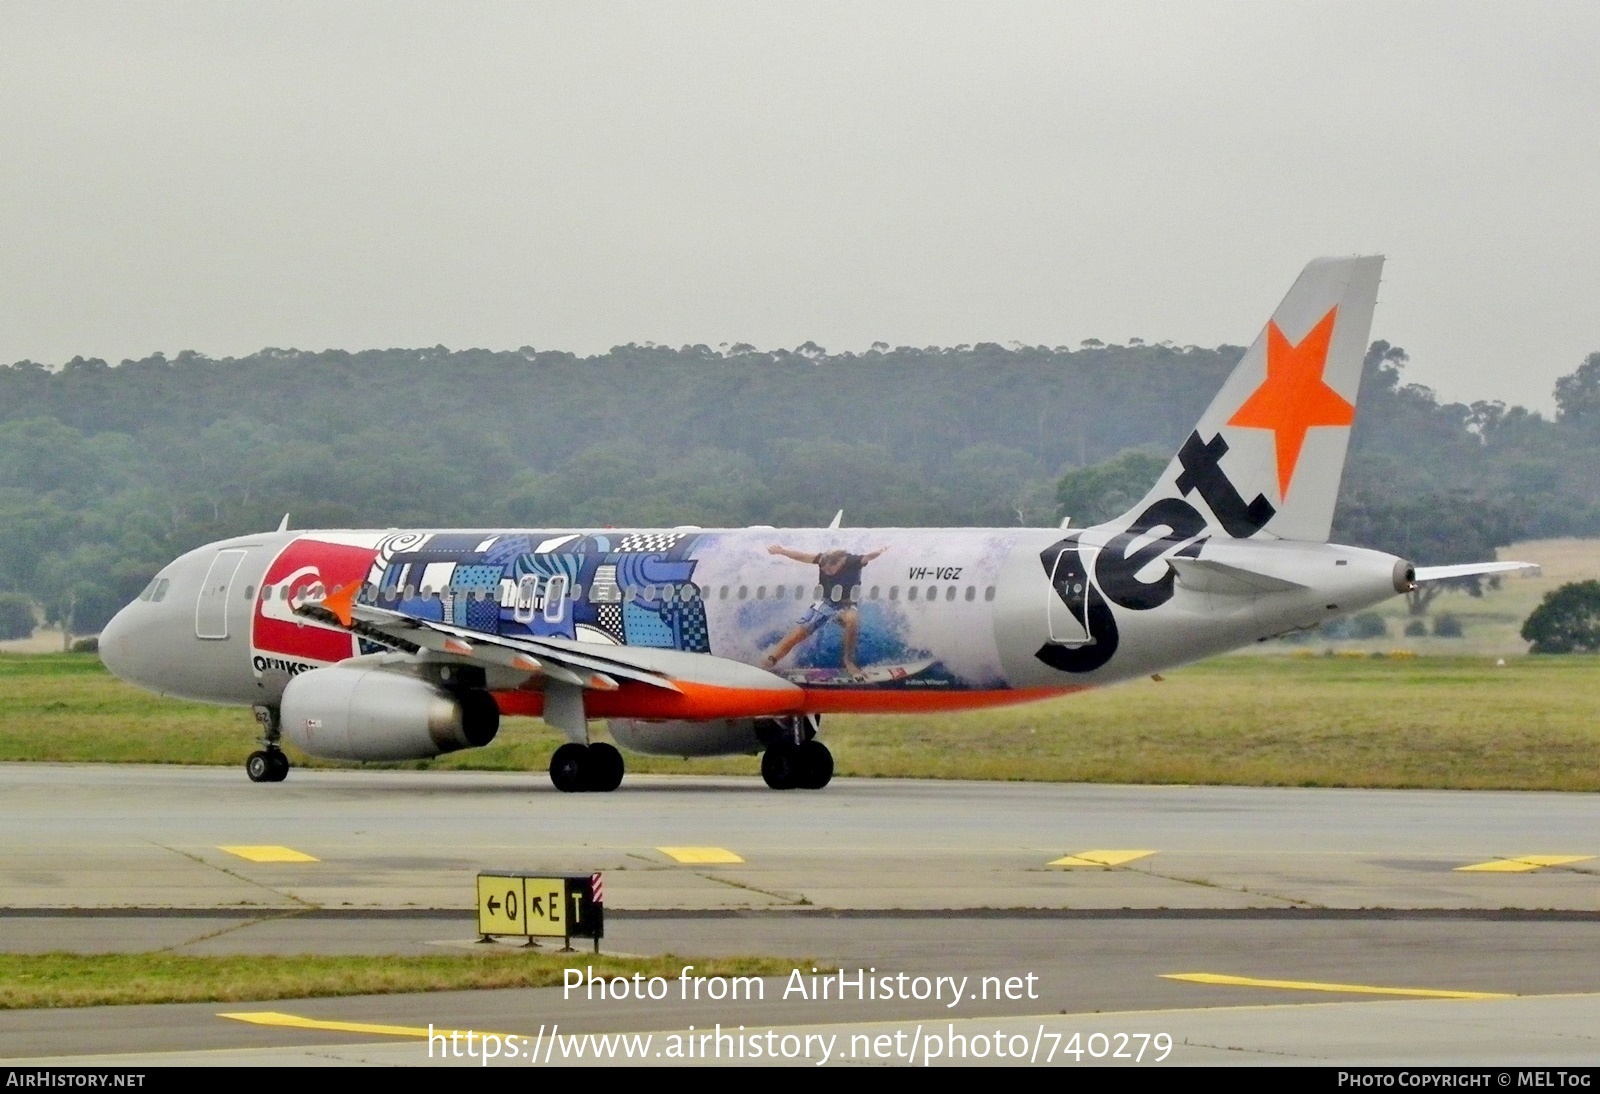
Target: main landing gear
{"type": "Point", "coordinates": [577, 768]}
{"type": "Point", "coordinates": [797, 767]}
{"type": "Point", "coordinates": [267, 764]}
{"type": "Point", "coordinates": [794, 759]}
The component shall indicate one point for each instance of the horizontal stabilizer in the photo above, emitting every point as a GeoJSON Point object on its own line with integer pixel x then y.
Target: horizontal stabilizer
{"type": "Point", "coordinates": [1471, 569]}
{"type": "Point", "coordinates": [1203, 575]}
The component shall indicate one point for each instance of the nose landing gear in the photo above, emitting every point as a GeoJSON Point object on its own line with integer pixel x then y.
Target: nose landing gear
{"type": "Point", "coordinates": [267, 764]}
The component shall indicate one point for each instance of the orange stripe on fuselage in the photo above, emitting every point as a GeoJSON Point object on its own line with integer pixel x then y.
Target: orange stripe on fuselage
{"type": "Point", "coordinates": [691, 702]}
{"type": "Point", "coordinates": [701, 702]}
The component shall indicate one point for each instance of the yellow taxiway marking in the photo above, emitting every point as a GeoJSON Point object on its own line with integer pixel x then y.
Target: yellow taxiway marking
{"type": "Point", "coordinates": [1312, 985]}
{"type": "Point", "coordinates": [698, 856]}
{"type": "Point", "coordinates": [268, 853]}
{"type": "Point", "coordinates": [277, 1018]}
{"type": "Point", "coordinates": [1100, 858]}
{"type": "Point", "coordinates": [1521, 864]}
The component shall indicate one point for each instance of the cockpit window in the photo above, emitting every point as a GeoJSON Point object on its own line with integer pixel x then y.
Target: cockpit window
{"type": "Point", "coordinates": [149, 589]}
{"type": "Point", "coordinates": [160, 591]}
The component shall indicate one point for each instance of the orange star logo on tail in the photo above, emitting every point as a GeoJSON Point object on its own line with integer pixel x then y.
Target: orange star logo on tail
{"type": "Point", "coordinates": [1293, 398]}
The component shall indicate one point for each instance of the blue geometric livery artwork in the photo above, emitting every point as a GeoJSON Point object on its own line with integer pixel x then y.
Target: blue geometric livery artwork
{"type": "Point", "coordinates": [632, 588]}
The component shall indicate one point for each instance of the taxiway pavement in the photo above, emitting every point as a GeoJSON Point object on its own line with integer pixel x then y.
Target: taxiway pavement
{"type": "Point", "coordinates": [1102, 892]}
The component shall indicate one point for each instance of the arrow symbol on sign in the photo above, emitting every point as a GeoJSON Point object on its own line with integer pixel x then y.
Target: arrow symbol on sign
{"type": "Point", "coordinates": [494, 905]}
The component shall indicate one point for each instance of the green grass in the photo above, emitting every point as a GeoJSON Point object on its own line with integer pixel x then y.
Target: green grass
{"type": "Point", "coordinates": [29, 981]}
{"type": "Point", "coordinates": [1274, 721]}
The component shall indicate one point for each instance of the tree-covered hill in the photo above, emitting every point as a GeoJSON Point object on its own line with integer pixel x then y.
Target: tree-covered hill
{"type": "Point", "coordinates": [108, 471]}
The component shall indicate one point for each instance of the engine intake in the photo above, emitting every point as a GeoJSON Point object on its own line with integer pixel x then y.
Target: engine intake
{"type": "Point", "coordinates": [346, 712]}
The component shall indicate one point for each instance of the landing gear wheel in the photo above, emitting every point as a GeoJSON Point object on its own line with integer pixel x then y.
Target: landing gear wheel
{"type": "Point", "coordinates": [780, 767]}
{"type": "Point", "coordinates": [567, 768]}
{"type": "Point", "coordinates": [268, 765]}
{"type": "Point", "coordinates": [602, 768]}
{"type": "Point", "coordinates": [816, 765]}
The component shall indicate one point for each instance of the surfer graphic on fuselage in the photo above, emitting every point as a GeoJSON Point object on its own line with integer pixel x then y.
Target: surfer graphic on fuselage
{"type": "Point", "coordinates": [839, 577]}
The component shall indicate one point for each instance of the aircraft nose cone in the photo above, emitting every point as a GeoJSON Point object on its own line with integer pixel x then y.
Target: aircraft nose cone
{"type": "Point", "coordinates": [117, 646]}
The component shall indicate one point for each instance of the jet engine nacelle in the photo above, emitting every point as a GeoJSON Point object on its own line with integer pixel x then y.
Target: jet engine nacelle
{"type": "Point", "coordinates": [722, 737]}
{"type": "Point", "coordinates": [366, 713]}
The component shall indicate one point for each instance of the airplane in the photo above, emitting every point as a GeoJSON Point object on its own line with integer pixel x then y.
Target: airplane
{"type": "Point", "coordinates": [401, 644]}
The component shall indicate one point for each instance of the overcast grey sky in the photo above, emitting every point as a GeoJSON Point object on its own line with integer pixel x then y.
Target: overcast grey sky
{"type": "Point", "coordinates": [224, 177]}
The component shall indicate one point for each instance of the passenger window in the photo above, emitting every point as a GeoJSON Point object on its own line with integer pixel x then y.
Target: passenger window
{"type": "Point", "coordinates": [950, 593]}
{"type": "Point", "coordinates": [723, 594]}
{"type": "Point", "coordinates": [689, 592]}
{"type": "Point", "coordinates": [744, 591]}
{"type": "Point", "coordinates": [649, 592]}
{"type": "Point", "coordinates": [835, 593]}
{"type": "Point", "coordinates": [249, 592]}
{"type": "Point", "coordinates": [761, 592]}
{"type": "Point", "coordinates": [855, 593]}
{"type": "Point", "coordinates": [873, 594]}
{"type": "Point", "coordinates": [894, 592]}
{"type": "Point", "coordinates": [933, 592]}
{"type": "Point", "coordinates": [988, 594]}
{"type": "Point", "coordinates": [577, 592]}
{"type": "Point", "coordinates": [911, 593]}
{"type": "Point", "coordinates": [816, 592]}
{"type": "Point", "coordinates": [972, 593]}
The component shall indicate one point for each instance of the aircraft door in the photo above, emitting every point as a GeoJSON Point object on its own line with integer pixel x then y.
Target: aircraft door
{"type": "Point", "coordinates": [555, 598]}
{"type": "Point", "coordinates": [211, 608]}
{"type": "Point", "coordinates": [527, 599]}
{"type": "Point", "coordinates": [1067, 610]}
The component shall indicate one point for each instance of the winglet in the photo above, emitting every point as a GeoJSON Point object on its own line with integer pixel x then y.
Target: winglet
{"type": "Point", "coordinates": [838, 518]}
{"type": "Point", "coordinates": [341, 602]}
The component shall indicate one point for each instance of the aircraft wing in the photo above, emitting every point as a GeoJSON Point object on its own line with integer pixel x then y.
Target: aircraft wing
{"type": "Point", "coordinates": [588, 665]}
{"type": "Point", "coordinates": [1471, 569]}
